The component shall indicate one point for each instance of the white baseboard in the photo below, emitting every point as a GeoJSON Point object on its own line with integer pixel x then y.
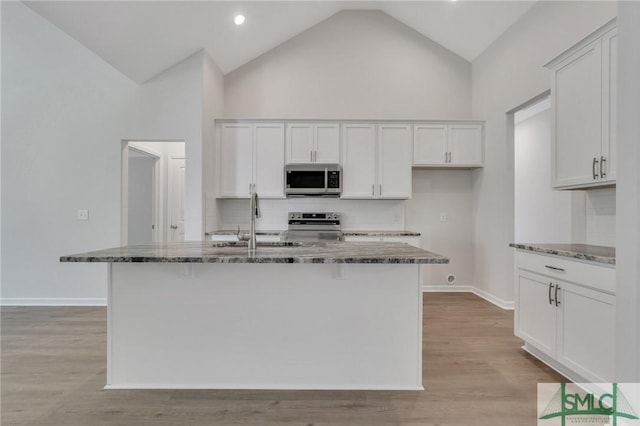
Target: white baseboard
{"type": "Point", "coordinates": [503, 304]}
{"type": "Point", "coordinates": [53, 301]}
{"type": "Point", "coordinates": [447, 289]}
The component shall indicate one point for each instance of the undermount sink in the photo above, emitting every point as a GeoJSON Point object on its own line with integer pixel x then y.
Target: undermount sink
{"type": "Point", "coordinates": [258, 244]}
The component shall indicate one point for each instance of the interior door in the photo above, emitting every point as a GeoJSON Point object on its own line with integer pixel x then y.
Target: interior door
{"type": "Point", "coordinates": [175, 202]}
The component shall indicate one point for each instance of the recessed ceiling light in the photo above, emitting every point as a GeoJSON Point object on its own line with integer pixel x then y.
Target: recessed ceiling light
{"type": "Point", "coordinates": [239, 19]}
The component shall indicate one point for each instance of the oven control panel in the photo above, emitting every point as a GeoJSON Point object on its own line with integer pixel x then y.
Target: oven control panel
{"type": "Point", "coordinates": [307, 216]}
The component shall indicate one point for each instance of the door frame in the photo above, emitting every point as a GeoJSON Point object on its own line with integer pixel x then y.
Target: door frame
{"type": "Point", "coordinates": [156, 194]}
{"type": "Point", "coordinates": [171, 181]}
{"type": "Point", "coordinates": [160, 187]}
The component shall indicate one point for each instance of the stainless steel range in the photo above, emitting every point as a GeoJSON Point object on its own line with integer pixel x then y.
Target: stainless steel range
{"type": "Point", "coordinates": [308, 226]}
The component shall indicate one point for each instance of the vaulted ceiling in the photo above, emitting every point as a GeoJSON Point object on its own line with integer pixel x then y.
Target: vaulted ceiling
{"type": "Point", "coordinates": [143, 38]}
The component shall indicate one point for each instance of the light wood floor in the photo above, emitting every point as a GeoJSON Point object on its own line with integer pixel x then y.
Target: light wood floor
{"type": "Point", "coordinates": [53, 371]}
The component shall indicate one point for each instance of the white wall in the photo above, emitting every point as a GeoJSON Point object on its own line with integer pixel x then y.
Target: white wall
{"type": "Point", "coordinates": [365, 64]}
{"type": "Point", "coordinates": [628, 196]}
{"type": "Point", "coordinates": [509, 73]}
{"type": "Point", "coordinates": [65, 113]}
{"type": "Point", "coordinates": [213, 107]}
{"type": "Point", "coordinates": [449, 192]}
{"type": "Point", "coordinates": [356, 64]}
{"type": "Point", "coordinates": [601, 217]}
{"type": "Point", "coordinates": [541, 214]}
{"type": "Point", "coordinates": [172, 109]}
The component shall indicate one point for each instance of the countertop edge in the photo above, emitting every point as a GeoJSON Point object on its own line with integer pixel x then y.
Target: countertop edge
{"type": "Point", "coordinates": [572, 254]}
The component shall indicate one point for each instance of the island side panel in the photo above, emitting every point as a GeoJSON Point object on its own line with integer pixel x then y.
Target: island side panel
{"type": "Point", "coordinates": [265, 326]}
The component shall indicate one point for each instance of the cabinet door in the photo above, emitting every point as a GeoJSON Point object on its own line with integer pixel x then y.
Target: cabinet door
{"type": "Point", "coordinates": [535, 313]}
{"type": "Point", "coordinates": [587, 331]}
{"type": "Point", "coordinates": [429, 144]}
{"type": "Point", "coordinates": [236, 159]}
{"type": "Point", "coordinates": [327, 143]}
{"type": "Point", "coordinates": [576, 89]}
{"type": "Point", "coordinates": [394, 161]}
{"type": "Point", "coordinates": [269, 160]}
{"type": "Point", "coordinates": [358, 160]}
{"type": "Point", "coordinates": [465, 144]}
{"type": "Point", "coordinates": [609, 106]}
{"type": "Point", "coordinates": [299, 145]}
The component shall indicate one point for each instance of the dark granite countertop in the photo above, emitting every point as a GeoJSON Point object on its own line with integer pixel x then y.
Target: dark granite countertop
{"type": "Point", "coordinates": [211, 252]}
{"type": "Point", "coordinates": [599, 254]}
{"type": "Point", "coordinates": [242, 231]}
{"type": "Point", "coordinates": [367, 233]}
{"type": "Point", "coordinates": [347, 233]}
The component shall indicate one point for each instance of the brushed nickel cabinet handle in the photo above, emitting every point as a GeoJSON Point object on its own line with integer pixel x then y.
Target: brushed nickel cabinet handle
{"type": "Point", "coordinates": [603, 173]}
{"type": "Point", "coordinates": [554, 268]}
{"type": "Point", "coordinates": [311, 156]}
{"type": "Point", "coordinates": [380, 189]}
{"type": "Point", "coordinates": [446, 157]}
{"type": "Point", "coordinates": [593, 168]}
{"type": "Point", "coordinates": [550, 299]}
{"type": "Point", "coordinates": [372, 190]}
{"type": "Point", "coordinates": [557, 300]}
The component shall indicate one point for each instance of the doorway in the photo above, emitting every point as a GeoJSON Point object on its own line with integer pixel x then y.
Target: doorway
{"type": "Point", "coordinates": [153, 191]}
{"type": "Point", "coordinates": [541, 214]}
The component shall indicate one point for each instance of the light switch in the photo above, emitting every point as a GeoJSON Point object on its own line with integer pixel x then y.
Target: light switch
{"type": "Point", "coordinates": [83, 215]}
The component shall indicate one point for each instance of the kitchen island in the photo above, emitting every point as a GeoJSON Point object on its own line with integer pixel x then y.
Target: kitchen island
{"type": "Point", "coordinates": [203, 315]}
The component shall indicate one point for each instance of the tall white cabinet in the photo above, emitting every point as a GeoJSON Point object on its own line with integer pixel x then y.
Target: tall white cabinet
{"type": "Point", "coordinates": [251, 158]}
{"type": "Point", "coordinates": [583, 97]}
{"type": "Point", "coordinates": [376, 161]}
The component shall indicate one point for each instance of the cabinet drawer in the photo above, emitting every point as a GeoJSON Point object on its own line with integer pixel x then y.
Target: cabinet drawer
{"type": "Point", "coordinates": [598, 277]}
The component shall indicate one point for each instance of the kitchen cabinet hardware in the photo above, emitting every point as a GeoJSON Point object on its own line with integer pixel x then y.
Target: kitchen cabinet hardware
{"type": "Point", "coordinates": [593, 168]}
{"type": "Point", "coordinates": [603, 173]}
{"type": "Point", "coordinates": [554, 268]}
{"type": "Point", "coordinates": [550, 289]}
{"type": "Point", "coordinates": [556, 295]}
{"type": "Point", "coordinates": [174, 226]}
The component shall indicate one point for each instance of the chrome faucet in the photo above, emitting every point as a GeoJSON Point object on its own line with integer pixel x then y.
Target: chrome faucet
{"type": "Point", "coordinates": [255, 213]}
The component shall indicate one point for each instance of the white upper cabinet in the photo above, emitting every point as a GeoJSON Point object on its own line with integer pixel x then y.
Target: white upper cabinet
{"type": "Point", "coordinates": [269, 160]}
{"type": "Point", "coordinates": [251, 158]}
{"type": "Point", "coordinates": [376, 161]}
{"type": "Point", "coordinates": [358, 160]}
{"type": "Point", "coordinates": [448, 145]}
{"type": "Point", "coordinates": [313, 143]}
{"type": "Point", "coordinates": [236, 159]}
{"type": "Point", "coordinates": [394, 160]}
{"type": "Point", "coordinates": [583, 97]}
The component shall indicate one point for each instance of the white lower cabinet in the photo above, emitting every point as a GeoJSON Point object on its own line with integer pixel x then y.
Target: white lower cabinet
{"type": "Point", "coordinates": [565, 313]}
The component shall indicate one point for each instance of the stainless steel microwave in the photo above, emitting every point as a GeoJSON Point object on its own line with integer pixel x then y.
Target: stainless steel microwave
{"type": "Point", "coordinates": [313, 180]}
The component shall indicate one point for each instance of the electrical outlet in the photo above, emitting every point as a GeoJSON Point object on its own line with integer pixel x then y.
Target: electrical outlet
{"type": "Point", "coordinates": [443, 217]}
{"type": "Point", "coordinates": [83, 215]}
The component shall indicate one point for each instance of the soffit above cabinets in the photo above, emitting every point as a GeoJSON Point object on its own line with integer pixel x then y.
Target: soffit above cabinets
{"type": "Point", "coordinates": [142, 39]}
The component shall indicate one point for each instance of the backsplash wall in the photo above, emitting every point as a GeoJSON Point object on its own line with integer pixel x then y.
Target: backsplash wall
{"type": "Point", "coordinates": [601, 217]}
{"type": "Point", "coordinates": [356, 214]}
